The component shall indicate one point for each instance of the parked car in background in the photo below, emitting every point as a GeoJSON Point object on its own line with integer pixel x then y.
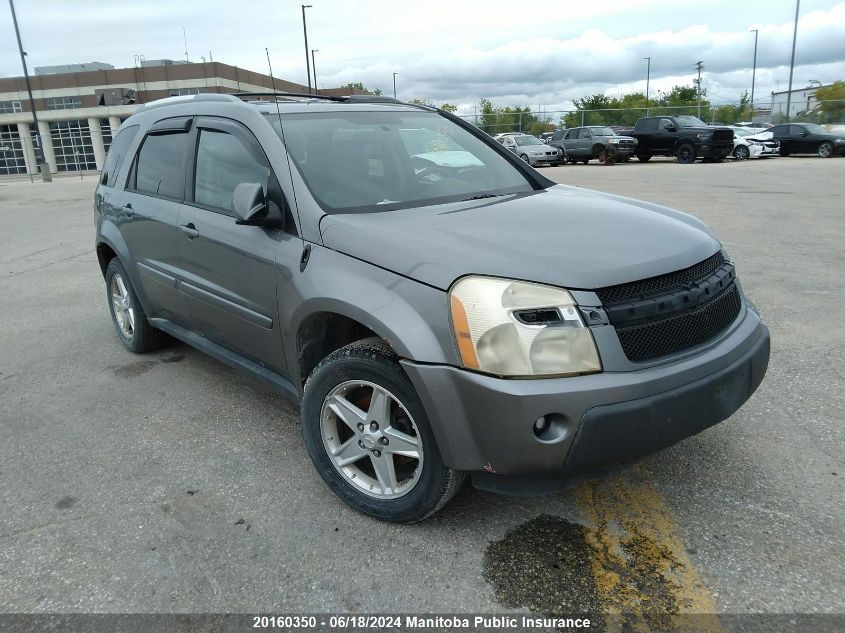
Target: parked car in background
{"type": "Point", "coordinates": [685, 137]}
{"type": "Point", "coordinates": [501, 135]}
{"type": "Point", "coordinates": [746, 145]}
{"type": "Point", "coordinates": [596, 141]}
{"type": "Point", "coordinates": [807, 138]}
{"type": "Point", "coordinates": [531, 149]}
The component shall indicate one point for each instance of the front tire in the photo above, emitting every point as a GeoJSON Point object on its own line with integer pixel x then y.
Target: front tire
{"type": "Point", "coordinates": [643, 158]}
{"type": "Point", "coordinates": [742, 153]}
{"type": "Point", "coordinates": [826, 149]}
{"type": "Point", "coordinates": [128, 316]}
{"type": "Point", "coordinates": [524, 158]}
{"type": "Point", "coordinates": [369, 437]}
{"type": "Point", "coordinates": [784, 153]}
{"type": "Point", "coordinates": [685, 154]}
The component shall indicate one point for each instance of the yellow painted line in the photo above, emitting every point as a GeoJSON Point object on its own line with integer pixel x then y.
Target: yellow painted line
{"type": "Point", "coordinates": [643, 574]}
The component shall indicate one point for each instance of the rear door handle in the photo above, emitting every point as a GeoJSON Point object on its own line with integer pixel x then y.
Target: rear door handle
{"type": "Point", "coordinates": [190, 230]}
{"type": "Point", "coordinates": [128, 210]}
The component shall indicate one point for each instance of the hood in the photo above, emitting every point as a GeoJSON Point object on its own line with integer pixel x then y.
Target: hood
{"type": "Point", "coordinates": [564, 236]}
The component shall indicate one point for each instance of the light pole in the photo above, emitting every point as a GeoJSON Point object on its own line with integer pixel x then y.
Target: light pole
{"type": "Point", "coordinates": [314, 69]}
{"type": "Point", "coordinates": [647, 80]}
{"type": "Point", "coordinates": [699, 64]}
{"type": "Point", "coordinates": [39, 150]}
{"type": "Point", "coordinates": [754, 72]}
{"type": "Point", "coordinates": [394, 84]}
{"type": "Point", "coordinates": [792, 61]}
{"type": "Point", "coordinates": [305, 33]}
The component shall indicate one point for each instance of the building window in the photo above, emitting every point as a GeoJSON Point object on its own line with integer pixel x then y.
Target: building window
{"type": "Point", "coordinates": [105, 127]}
{"type": "Point", "coordinates": [12, 160]}
{"type": "Point", "coordinates": [179, 92]}
{"type": "Point", "coordinates": [10, 107]}
{"type": "Point", "coordinates": [63, 103]}
{"type": "Point", "coordinates": [72, 145]}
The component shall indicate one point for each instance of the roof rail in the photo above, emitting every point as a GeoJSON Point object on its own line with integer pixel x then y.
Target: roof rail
{"type": "Point", "coordinates": [204, 96]}
{"type": "Point", "coordinates": [288, 95]}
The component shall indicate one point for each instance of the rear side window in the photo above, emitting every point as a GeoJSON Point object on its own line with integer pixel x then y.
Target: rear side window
{"type": "Point", "coordinates": [117, 151]}
{"type": "Point", "coordinates": [572, 134]}
{"type": "Point", "coordinates": [223, 162]}
{"type": "Point", "coordinates": [160, 165]}
{"type": "Point", "coordinates": [647, 125]}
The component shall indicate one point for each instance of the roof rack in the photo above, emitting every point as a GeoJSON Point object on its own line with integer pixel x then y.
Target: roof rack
{"type": "Point", "coordinates": [289, 95]}
{"type": "Point", "coordinates": [336, 98]}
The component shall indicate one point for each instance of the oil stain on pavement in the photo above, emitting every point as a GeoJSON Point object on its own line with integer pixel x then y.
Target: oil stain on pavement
{"type": "Point", "coordinates": [623, 559]}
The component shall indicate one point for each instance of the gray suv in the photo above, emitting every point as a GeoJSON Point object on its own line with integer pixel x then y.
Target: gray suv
{"type": "Point", "coordinates": [439, 308]}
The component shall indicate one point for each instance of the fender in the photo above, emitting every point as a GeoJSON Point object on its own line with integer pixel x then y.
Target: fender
{"type": "Point", "coordinates": [412, 317]}
{"type": "Point", "coordinates": [109, 235]}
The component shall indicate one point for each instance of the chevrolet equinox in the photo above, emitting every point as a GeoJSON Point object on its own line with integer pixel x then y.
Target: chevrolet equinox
{"type": "Point", "coordinates": [439, 309]}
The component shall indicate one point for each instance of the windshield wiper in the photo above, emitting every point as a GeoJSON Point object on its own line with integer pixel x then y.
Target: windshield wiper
{"type": "Point", "coordinates": [481, 196]}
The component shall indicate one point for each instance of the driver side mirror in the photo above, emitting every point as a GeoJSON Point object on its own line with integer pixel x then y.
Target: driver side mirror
{"type": "Point", "coordinates": [669, 127]}
{"type": "Point", "coordinates": [250, 204]}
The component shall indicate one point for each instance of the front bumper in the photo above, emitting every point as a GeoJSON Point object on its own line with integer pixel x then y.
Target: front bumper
{"type": "Point", "coordinates": [485, 424]}
{"type": "Point", "coordinates": [544, 160]}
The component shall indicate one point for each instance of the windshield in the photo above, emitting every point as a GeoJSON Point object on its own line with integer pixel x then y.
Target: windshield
{"type": "Point", "coordinates": [690, 121]}
{"type": "Point", "coordinates": [355, 162]}
{"type": "Point", "coordinates": [814, 128]}
{"type": "Point", "coordinates": [525, 139]}
{"type": "Point", "coordinates": [602, 131]}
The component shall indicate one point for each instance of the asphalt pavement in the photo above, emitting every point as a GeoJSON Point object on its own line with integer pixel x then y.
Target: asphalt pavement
{"type": "Point", "coordinates": [169, 482]}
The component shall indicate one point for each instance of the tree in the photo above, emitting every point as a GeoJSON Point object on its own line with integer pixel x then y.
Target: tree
{"type": "Point", "coordinates": [448, 107]}
{"type": "Point", "coordinates": [360, 86]}
{"type": "Point", "coordinates": [832, 100]}
{"type": "Point", "coordinates": [424, 102]}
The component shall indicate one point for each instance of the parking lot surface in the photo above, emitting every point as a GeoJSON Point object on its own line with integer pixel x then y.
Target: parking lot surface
{"type": "Point", "coordinates": [171, 483]}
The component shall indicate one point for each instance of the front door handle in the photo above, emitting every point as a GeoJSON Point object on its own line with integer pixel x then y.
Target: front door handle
{"type": "Point", "coordinates": [128, 210]}
{"type": "Point", "coordinates": [190, 230]}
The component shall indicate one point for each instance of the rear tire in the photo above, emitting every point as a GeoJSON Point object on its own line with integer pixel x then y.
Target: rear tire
{"type": "Point", "coordinates": [352, 457]}
{"type": "Point", "coordinates": [128, 316]}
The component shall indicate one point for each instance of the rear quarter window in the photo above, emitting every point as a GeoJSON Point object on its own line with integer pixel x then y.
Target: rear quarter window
{"type": "Point", "coordinates": [117, 152]}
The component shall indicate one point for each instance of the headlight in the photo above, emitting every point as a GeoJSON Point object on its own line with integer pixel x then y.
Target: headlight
{"type": "Point", "coordinates": [614, 140]}
{"type": "Point", "coordinates": [517, 328]}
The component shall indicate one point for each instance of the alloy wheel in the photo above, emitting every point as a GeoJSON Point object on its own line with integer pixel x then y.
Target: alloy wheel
{"type": "Point", "coordinates": [121, 301]}
{"type": "Point", "coordinates": [371, 439]}
{"type": "Point", "coordinates": [825, 150]}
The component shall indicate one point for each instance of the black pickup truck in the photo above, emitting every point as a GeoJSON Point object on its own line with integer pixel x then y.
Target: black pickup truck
{"type": "Point", "coordinates": [685, 137]}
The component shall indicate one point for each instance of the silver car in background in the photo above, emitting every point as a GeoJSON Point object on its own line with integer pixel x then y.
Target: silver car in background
{"type": "Point", "coordinates": [532, 150]}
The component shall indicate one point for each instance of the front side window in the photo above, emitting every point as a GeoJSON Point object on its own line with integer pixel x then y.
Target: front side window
{"type": "Point", "coordinates": [160, 165]}
{"type": "Point", "coordinates": [573, 134]}
{"type": "Point", "coordinates": [355, 162]}
{"type": "Point", "coordinates": [223, 162]}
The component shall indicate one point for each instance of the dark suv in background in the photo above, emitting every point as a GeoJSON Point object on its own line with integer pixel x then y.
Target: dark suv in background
{"type": "Point", "coordinates": [436, 305]}
{"type": "Point", "coordinates": [595, 141]}
{"type": "Point", "coordinates": [685, 137]}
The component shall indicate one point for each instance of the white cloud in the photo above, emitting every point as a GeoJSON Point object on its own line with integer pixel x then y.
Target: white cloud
{"type": "Point", "coordinates": [456, 51]}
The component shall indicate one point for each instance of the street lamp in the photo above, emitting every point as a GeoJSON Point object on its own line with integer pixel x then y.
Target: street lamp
{"type": "Point", "coordinates": [647, 79]}
{"type": "Point", "coordinates": [314, 69]}
{"type": "Point", "coordinates": [792, 60]}
{"type": "Point", "coordinates": [394, 84]}
{"type": "Point", "coordinates": [39, 149]}
{"type": "Point", "coordinates": [754, 72]}
{"type": "Point", "coordinates": [305, 33]}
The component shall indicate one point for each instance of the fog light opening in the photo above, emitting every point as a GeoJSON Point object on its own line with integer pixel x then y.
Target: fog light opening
{"type": "Point", "coordinates": [552, 427]}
